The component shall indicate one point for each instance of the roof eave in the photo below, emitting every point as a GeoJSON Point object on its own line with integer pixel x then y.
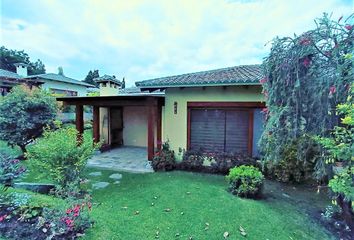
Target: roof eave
{"type": "Point", "coordinates": [146, 87]}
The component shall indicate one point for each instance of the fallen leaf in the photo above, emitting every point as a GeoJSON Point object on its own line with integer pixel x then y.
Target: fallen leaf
{"type": "Point", "coordinates": [243, 234]}
{"type": "Point", "coordinates": [136, 213]}
{"type": "Point", "coordinates": [188, 192]}
{"type": "Point", "coordinates": [190, 238]}
{"type": "Point", "coordinates": [124, 207]}
{"type": "Point", "coordinates": [206, 224]}
{"type": "Point", "coordinates": [182, 213]}
{"type": "Point", "coordinates": [168, 210]}
{"type": "Point", "coordinates": [155, 197]}
{"type": "Point", "coordinates": [226, 234]}
{"type": "Point", "coordinates": [152, 204]}
{"type": "Point", "coordinates": [177, 235]}
{"type": "Point", "coordinates": [242, 231]}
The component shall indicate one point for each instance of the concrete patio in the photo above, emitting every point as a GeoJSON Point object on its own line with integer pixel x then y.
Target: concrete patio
{"type": "Point", "coordinates": [130, 159]}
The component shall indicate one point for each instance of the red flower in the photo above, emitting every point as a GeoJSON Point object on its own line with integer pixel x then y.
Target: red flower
{"type": "Point", "coordinates": [306, 62]}
{"type": "Point", "coordinates": [332, 90]}
{"type": "Point", "coordinates": [68, 211]}
{"type": "Point", "coordinates": [263, 80]}
{"type": "Point", "coordinates": [305, 41]}
{"type": "Point", "coordinates": [348, 27]}
{"type": "Point", "coordinates": [265, 110]}
{"type": "Point", "coordinates": [89, 205]}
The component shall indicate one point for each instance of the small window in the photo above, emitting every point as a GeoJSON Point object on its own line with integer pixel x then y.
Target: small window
{"type": "Point", "coordinates": [104, 84]}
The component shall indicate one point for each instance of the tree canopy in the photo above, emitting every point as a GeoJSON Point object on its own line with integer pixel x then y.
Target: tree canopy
{"type": "Point", "coordinates": [8, 57]}
{"type": "Point", "coordinates": [90, 76]}
{"type": "Point", "coordinates": [24, 114]}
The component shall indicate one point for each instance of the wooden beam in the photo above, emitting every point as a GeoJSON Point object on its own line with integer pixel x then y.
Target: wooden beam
{"type": "Point", "coordinates": [151, 137]}
{"type": "Point", "coordinates": [79, 121]}
{"type": "Point", "coordinates": [96, 124]}
{"type": "Point", "coordinates": [226, 104]}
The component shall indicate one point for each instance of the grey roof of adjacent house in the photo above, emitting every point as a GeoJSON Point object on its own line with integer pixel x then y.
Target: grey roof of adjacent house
{"type": "Point", "coordinates": [9, 74]}
{"type": "Point", "coordinates": [137, 91]}
{"type": "Point", "coordinates": [58, 78]}
{"type": "Point", "coordinates": [106, 78]}
{"type": "Point", "coordinates": [238, 75]}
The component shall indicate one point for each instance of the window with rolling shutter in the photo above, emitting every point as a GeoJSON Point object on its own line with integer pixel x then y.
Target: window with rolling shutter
{"type": "Point", "coordinates": [219, 130]}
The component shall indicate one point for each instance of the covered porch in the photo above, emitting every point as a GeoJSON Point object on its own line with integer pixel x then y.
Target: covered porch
{"type": "Point", "coordinates": [122, 121]}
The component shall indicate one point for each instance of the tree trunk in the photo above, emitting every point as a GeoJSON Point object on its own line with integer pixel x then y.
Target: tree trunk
{"type": "Point", "coordinates": [347, 212]}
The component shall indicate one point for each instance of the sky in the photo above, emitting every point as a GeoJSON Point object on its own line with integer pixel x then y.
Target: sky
{"type": "Point", "coordinates": [141, 40]}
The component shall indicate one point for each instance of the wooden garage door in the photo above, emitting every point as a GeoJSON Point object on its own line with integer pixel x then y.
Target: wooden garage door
{"type": "Point", "coordinates": [219, 130]}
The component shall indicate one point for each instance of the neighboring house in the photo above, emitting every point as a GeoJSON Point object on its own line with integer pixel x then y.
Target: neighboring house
{"type": "Point", "coordinates": [217, 110]}
{"type": "Point", "coordinates": [56, 83]}
{"type": "Point", "coordinates": [10, 79]}
{"type": "Point", "coordinates": [61, 84]}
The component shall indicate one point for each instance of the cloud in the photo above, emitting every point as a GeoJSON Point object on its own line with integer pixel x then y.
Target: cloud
{"type": "Point", "coordinates": [146, 39]}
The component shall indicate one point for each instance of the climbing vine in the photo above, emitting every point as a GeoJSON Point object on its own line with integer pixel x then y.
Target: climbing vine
{"type": "Point", "coordinates": [306, 76]}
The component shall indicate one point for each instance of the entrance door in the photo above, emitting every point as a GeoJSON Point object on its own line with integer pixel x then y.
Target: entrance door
{"type": "Point", "coordinates": [116, 120]}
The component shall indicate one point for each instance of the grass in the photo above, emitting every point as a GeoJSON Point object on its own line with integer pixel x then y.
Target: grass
{"type": "Point", "coordinates": [203, 199]}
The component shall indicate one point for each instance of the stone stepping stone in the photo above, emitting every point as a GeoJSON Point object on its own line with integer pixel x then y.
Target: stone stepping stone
{"type": "Point", "coordinates": [116, 176]}
{"type": "Point", "coordinates": [116, 182]}
{"type": "Point", "coordinates": [100, 185]}
{"type": "Point", "coordinates": [95, 174]}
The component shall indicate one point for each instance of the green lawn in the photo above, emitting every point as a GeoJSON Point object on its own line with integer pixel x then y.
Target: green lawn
{"type": "Point", "coordinates": [203, 199]}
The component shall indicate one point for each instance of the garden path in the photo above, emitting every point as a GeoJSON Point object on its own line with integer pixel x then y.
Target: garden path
{"type": "Point", "coordinates": [130, 159]}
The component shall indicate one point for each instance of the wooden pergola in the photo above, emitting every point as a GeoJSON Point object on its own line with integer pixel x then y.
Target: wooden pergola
{"type": "Point", "coordinates": [152, 103]}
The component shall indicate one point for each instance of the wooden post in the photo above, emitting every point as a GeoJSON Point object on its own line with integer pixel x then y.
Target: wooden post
{"type": "Point", "coordinates": [79, 122]}
{"type": "Point", "coordinates": [151, 130]}
{"type": "Point", "coordinates": [96, 124]}
{"type": "Point", "coordinates": [159, 126]}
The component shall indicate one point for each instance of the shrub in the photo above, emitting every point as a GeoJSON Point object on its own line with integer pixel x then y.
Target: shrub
{"type": "Point", "coordinates": [245, 181]}
{"type": "Point", "coordinates": [164, 160]}
{"type": "Point", "coordinates": [58, 155]}
{"type": "Point", "coordinates": [10, 169]}
{"type": "Point", "coordinates": [222, 162]}
{"type": "Point", "coordinates": [24, 114]}
{"type": "Point", "coordinates": [192, 160]}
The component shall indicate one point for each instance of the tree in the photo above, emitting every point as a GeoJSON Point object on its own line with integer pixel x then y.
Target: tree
{"type": "Point", "coordinates": [9, 57]}
{"type": "Point", "coordinates": [306, 76]}
{"type": "Point", "coordinates": [24, 114]}
{"type": "Point", "coordinates": [123, 83]}
{"type": "Point", "coordinates": [90, 76]}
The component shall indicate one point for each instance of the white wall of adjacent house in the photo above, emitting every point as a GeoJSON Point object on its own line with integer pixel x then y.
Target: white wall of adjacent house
{"type": "Point", "coordinates": [109, 89]}
{"type": "Point", "coordinates": [21, 70]}
{"type": "Point", "coordinates": [58, 87]}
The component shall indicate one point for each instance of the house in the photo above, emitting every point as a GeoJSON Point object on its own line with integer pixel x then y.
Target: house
{"type": "Point", "coordinates": [216, 110]}
{"type": "Point", "coordinates": [61, 84]}
{"type": "Point", "coordinates": [55, 83]}
{"type": "Point", "coordinates": [10, 79]}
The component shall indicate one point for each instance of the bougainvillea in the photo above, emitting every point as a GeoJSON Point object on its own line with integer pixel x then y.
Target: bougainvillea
{"type": "Point", "coordinates": [306, 76]}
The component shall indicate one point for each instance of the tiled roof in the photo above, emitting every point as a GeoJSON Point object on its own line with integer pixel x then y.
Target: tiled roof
{"type": "Point", "coordinates": [59, 78]}
{"type": "Point", "coordinates": [9, 74]}
{"type": "Point", "coordinates": [238, 75]}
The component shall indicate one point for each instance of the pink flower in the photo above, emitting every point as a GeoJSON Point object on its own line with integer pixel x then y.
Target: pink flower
{"type": "Point", "coordinates": [332, 90]}
{"type": "Point", "coordinates": [263, 80]}
{"type": "Point", "coordinates": [306, 62]}
{"type": "Point", "coordinates": [89, 205]}
{"type": "Point", "coordinates": [348, 27]}
{"type": "Point", "coordinates": [68, 211]}
{"type": "Point", "coordinates": [3, 217]}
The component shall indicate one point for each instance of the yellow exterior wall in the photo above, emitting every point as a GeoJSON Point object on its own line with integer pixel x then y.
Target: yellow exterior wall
{"type": "Point", "coordinates": [175, 125]}
{"type": "Point", "coordinates": [135, 126]}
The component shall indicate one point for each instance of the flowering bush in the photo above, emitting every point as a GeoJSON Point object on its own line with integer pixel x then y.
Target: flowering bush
{"type": "Point", "coordinates": [306, 76]}
{"type": "Point", "coordinates": [74, 219]}
{"type": "Point", "coordinates": [245, 181]}
{"type": "Point", "coordinates": [10, 169]}
{"type": "Point", "coordinates": [164, 160]}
